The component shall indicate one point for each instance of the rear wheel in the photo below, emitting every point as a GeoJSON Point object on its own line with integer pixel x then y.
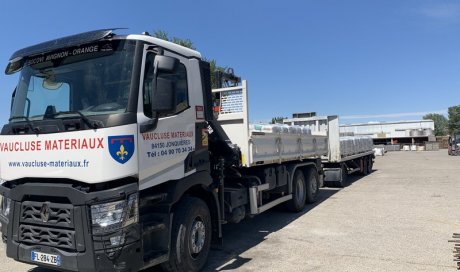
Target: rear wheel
{"type": "Point", "coordinates": [312, 186]}
{"type": "Point", "coordinates": [365, 169]}
{"type": "Point", "coordinates": [191, 236]}
{"type": "Point", "coordinates": [299, 191]}
{"type": "Point", "coordinates": [370, 164]}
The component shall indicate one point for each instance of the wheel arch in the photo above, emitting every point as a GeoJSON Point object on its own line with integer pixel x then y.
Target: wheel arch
{"type": "Point", "coordinates": [200, 187]}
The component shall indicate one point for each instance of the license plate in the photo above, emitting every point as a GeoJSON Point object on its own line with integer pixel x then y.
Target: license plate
{"type": "Point", "coordinates": [45, 258]}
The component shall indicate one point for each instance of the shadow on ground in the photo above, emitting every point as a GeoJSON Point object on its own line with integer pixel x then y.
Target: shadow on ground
{"type": "Point", "coordinates": [241, 237]}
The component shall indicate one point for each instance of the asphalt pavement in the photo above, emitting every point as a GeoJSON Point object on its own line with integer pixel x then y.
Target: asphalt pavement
{"type": "Point", "coordinates": [398, 218]}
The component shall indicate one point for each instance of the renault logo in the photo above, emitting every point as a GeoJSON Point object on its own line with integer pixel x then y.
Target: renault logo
{"type": "Point", "coordinates": [45, 212]}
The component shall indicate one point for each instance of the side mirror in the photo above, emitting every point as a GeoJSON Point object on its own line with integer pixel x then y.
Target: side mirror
{"type": "Point", "coordinates": [163, 96]}
{"type": "Point", "coordinates": [163, 93]}
{"type": "Point", "coordinates": [165, 64]}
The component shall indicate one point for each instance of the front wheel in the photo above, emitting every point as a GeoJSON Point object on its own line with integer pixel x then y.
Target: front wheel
{"type": "Point", "coordinates": [191, 236]}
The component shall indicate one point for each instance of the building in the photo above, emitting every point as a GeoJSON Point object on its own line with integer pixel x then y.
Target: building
{"type": "Point", "coordinates": [397, 132]}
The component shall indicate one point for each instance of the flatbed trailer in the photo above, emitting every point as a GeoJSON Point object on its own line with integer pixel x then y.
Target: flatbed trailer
{"type": "Point", "coordinates": [346, 154]}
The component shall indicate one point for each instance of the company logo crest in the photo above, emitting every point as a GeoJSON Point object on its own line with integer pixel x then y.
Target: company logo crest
{"type": "Point", "coordinates": [121, 147]}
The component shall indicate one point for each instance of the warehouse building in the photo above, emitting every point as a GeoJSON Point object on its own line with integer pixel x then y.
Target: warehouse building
{"type": "Point", "coordinates": [396, 132]}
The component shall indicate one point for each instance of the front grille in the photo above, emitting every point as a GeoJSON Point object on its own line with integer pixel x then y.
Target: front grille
{"type": "Point", "coordinates": [34, 235]}
{"type": "Point", "coordinates": [60, 215]}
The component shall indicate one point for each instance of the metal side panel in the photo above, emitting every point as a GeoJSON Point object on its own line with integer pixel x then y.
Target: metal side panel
{"type": "Point", "coordinates": [322, 145]}
{"type": "Point", "coordinates": [290, 146]}
{"type": "Point", "coordinates": [267, 148]}
{"type": "Point", "coordinates": [234, 117]}
{"type": "Point", "coordinates": [326, 129]}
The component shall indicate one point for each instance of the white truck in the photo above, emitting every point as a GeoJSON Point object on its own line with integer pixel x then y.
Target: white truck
{"type": "Point", "coordinates": [346, 154]}
{"type": "Point", "coordinates": [118, 156]}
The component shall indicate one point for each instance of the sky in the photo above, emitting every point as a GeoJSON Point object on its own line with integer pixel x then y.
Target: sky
{"type": "Point", "coordinates": [381, 60]}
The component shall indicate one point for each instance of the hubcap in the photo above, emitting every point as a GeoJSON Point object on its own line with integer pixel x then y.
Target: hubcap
{"type": "Point", "coordinates": [314, 186]}
{"type": "Point", "coordinates": [198, 236]}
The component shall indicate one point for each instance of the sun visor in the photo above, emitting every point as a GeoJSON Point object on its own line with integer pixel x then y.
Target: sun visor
{"type": "Point", "coordinates": [17, 60]}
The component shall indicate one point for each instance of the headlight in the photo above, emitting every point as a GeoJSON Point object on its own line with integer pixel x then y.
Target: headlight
{"type": "Point", "coordinates": [114, 215]}
{"type": "Point", "coordinates": [5, 206]}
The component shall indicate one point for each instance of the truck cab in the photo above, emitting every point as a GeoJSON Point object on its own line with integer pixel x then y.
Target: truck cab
{"type": "Point", "coordinates": [96, 120]}
{"type": "Point", "coordinates": [113, 158]}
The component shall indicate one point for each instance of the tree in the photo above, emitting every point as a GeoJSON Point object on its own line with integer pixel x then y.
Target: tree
{"type": "Point", "coordinates": [440, 123]}
{"type": "Point", "coordinates": [454, 119]}
{"type": "Point", "coordinates": [277, 120]}
{"type": "Point", "coordinates": [160, 34]}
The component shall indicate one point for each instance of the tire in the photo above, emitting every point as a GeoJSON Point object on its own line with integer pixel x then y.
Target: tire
{"type": "Point", "coordinates": [312, 186]}
{"type": "Point", "coordinates": [191, 236]}
{"type": "Point", "coordinates": [370, 164]}
{"type": "Point", "coordinates": [299, 193]}
{"type": "Point", "coordinates": [343, 182]}
{"type": "Point", "coordinates": [364, 172]}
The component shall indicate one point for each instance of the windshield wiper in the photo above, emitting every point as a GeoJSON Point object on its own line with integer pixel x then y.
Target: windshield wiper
{"type": "Point", "coordinates": [29, 123]}
{"type": "Point", "coordinates": [90, 123]}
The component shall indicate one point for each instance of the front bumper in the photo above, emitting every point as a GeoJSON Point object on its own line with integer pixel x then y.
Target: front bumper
{"type": "Point", "coordinates": [72, 239]}
{"type": "Point", "coordinates": [127, 258]}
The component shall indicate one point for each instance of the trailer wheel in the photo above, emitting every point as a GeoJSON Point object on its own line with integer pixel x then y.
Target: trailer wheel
{"type": "Point", "coordinates": [370, 163]}
{"type": "Point", "coordinates": [365, 169]}
{"type": "Point", "coordinates": [312, 186]}
{"type": "Point", "coordinates": [299, 192]}
{"type": "Point", "coordinates": [191, 236]}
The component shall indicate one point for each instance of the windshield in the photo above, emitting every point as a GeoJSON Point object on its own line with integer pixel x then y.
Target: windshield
{"type": "Point", "coordinates": [92, 79]}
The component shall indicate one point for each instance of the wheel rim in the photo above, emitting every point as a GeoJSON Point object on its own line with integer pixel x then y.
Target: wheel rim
{"type": "Point", "coordinates": [313, 185]}
{"type": "Point", "coordinates": [300, 191]}
{"type": "Point", "coordinates": [197, 237]}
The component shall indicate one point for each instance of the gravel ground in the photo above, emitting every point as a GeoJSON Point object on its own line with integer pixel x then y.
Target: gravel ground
{"type": "Point", "coordinates": [399, 218]}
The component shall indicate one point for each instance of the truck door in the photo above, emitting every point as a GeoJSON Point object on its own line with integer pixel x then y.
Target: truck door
{"type": "Point", "coordinates": [164, 148]}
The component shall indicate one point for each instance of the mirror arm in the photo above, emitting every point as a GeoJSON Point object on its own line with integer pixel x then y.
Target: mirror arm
{"type": "Point", "coordinates": [154, 84]}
